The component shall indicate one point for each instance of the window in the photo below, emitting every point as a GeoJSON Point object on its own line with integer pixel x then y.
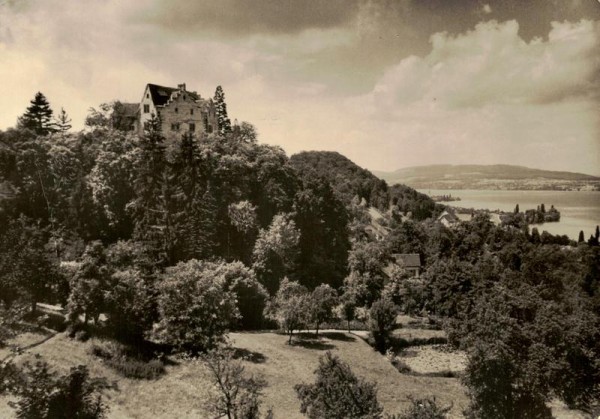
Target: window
{"type": "Point", "coordinates": [192, 111]}
{"type": "Point", "coordinates": [210, 129]}
{"type": "Point", "coordinates": [183, 97]}
{"type": "Point", "coordinates": [205, 121]}
{"type": "Point", "coordinates": [147, 95]}
{"type": "Point", "coordinates": [192, 127]}
{"type": "Point", "coordinates": [146, 108]}
{"type": "Point", "coordinates": [174, 127]}
{"type": "Point", "coordinates": [176, 110]}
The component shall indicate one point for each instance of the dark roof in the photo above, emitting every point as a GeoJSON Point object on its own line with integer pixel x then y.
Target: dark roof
{"type": "Point", "coordinates": [161, 94]}
{"type": "Point", "coordinates": [408, 260]}
{"type": "Point", "coordinates": [130, 109]}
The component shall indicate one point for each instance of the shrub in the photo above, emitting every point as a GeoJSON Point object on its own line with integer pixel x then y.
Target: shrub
{"type": "Point", "coordinates": [338, 393]}
{"type": "Point", "coordinates": [382, 320]}
{"type": "Point", "coordinates": [42, 394]}
{"type": "Point", "coordinates": [424, 408]}
{"type": "Point", "coordinates": [129, 365]}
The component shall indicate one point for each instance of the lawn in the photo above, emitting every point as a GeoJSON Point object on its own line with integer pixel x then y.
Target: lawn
{"type": "Point", "coordinates": [182, 391]}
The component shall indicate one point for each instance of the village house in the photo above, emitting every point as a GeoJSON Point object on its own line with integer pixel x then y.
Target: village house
{"type": "Point", "coordinates": [179, 110]}
{"type": "Point", "coordinates": [410, 262]}
{"type": "Point", "coordinates": [448, 218]}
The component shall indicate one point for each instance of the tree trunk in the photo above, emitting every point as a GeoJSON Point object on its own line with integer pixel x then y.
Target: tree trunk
{"type": "Point", "coordinates": [290, 339]}
{"type": "Point", "coordinates": [33, 306]}
{"type": "Point", "coordinates": [348, 326]}
{"type": "Point", "coordinates": [317, 330]}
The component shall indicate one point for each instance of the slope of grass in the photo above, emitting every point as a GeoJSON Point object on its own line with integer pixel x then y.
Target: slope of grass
{"type": "Point", "coordinates": [283, 366]}
{"type": "Point", "coordinates": [182, 391]}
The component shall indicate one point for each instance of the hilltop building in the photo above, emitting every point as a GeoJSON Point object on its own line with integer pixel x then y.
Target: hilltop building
{"type": "Point", "coordinates": [180, 111]}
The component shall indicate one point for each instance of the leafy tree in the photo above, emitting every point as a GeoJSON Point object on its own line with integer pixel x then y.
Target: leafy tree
{"type": "Point", "coordinates": [221, 111]}
{"type": "Point", "coordinates": [242, 216]}
{"type": "Point", "coordinates": [366, 261]}
{"type": "Point", "coordinates": [290, 306]}
{"type": "Point", "coordinates": [250, 295]}
{"type": "Point", "coordinates": [348, 306]}
{"type": "Point", "coordinates": [88, 286]}
{"type": "Point", "coordinates": [237, 394]}
{"type": "Point", "coordinates": [382, 321]}
{"type": "Point", "coordinates": [38, 116]}
{"type": "Point", "coordinates": [25, 269]}
{"type": "Point", "coordinates": [43, 394]}
{"type": "Point", "coordinates": [276, 252]}
{"type": "Point", "coordinates": [195, 308]}
{"type": "Point", "coordinates": [111, 183]}
{"type": "Point", "coordinates": [500, 382]}
{"type": "Point", "coordinates": [338, 393]}
{"type": "Point", "coordinates": [321, 303]}
{"type": "Point", "coordinates": [129, 305]}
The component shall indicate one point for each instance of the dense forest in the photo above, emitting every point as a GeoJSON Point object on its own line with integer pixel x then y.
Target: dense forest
{"type": "Point", "coordinates": [174, 244]}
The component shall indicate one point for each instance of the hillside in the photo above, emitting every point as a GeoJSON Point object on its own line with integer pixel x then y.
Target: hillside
{"type": "Point", "coordinates": [347, 179]}
{"type": "Point", "coordinates": [182, 392]}
{"type": "Point", "coordinates": [498, 176]}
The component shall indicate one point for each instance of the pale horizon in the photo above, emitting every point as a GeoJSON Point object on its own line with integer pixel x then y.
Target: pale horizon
{"type": "Point", "coordinates": [388, 84]}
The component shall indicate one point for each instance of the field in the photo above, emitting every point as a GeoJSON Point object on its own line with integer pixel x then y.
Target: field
{"type": "Point", "coordinates": [182, 391]}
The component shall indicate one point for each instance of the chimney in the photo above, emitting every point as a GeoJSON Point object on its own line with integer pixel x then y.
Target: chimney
{"type": "Point", "coordinates": [181, 87]}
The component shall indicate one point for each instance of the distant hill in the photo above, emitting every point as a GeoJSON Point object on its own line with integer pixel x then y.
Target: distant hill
{"type": "Point", "coordinates": [349, 180]}
{"type": "Point", "coordinates": [499, 176]}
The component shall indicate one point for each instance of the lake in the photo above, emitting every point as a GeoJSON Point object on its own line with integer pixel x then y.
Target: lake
{"type": "Point", "coordinates": [579, 210]}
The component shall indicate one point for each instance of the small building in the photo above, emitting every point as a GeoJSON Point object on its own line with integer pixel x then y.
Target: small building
{"type": "Point", "coordinates": [411, 262]}
{"type": "Point", "coordinates": [179, 110]}
{"type": "Point", "coordinates": [448, 218]}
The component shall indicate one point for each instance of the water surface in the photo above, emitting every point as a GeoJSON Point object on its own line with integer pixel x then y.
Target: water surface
{"type": "Point", "coordinates": [579, 210]}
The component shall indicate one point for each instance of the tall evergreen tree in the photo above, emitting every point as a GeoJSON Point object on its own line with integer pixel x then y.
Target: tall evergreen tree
{"type": "Point", "coordinates": [581, 237]}
{"type": "Point", "coordinates": [38, 116]}
{"type": "Point", "coordinates": [149, 209]}
{"type": "Point", "coordinates": [63, 122]}
{"type": "Point", "coordinates": [221, 110]}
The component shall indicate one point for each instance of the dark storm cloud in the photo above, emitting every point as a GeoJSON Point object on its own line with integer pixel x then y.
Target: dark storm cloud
{"type": "Point", "coordinates": [241, 17]}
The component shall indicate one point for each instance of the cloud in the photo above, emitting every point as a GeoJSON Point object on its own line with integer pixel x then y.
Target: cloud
{"type": "Point", "coordinates": [239, 17]}
{"type": "Point", "coordinates": [493, 65]}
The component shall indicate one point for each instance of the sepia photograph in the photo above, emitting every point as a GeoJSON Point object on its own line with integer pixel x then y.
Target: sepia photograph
{"type": "Point", "coordinates": [287, 209]}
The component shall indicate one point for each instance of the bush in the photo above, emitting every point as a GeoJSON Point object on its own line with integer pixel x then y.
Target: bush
{"type": "Point", "coordinates": [129, 365]}
{"type": "Point", "coordinates": [424, 408]}
{"type": "Point", "coordinates": [338, 393]}
{"type": "Point", "coordinates": [382, 320]}
{"type": "Point", "coordinates": [42, 394]}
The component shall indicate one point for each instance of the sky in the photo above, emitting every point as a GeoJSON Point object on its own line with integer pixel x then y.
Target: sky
{"type": "Point", "coordinates": [387, 83]}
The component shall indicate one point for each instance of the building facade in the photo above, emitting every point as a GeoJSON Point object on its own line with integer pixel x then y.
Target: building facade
{"type": "Point", "coordinates": [179, 110]}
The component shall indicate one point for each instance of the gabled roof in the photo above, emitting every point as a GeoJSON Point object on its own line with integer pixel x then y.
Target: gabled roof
{"type": "Point", "coordinates": [161, 94]}
{"type": "Point", "coordinates": [408, 260]}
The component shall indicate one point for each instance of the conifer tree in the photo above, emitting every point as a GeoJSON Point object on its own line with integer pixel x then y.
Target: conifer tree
{"type": "Point", "coordinates": [149, 209]}
{"type": "Point", "coordinates": [221, 110]}
{"type": "Point", "coordinates": [581, 237]}
{"type": "Point", "coordinates": [63, 122]}
{"type": "Point", "coordinates": [38, 116]}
